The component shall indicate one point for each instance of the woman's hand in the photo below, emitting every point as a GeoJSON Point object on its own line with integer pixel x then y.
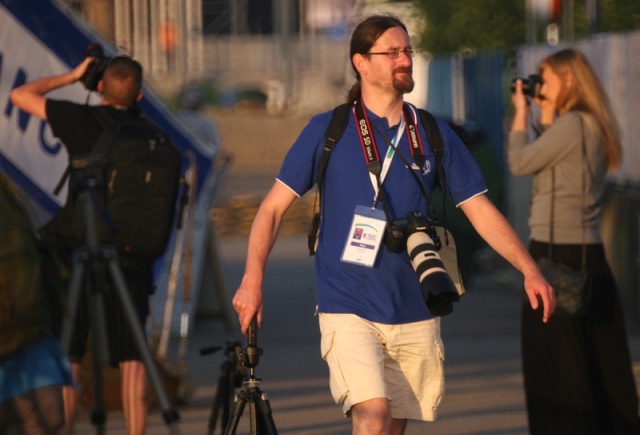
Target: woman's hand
{"type": "Point", "coordinates": [521, 106]}
{"type": "Point", "coordinates": [519, 100]}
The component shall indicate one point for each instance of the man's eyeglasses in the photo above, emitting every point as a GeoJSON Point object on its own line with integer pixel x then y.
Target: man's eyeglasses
{"type": "Point", "coordinates": [394, 54]}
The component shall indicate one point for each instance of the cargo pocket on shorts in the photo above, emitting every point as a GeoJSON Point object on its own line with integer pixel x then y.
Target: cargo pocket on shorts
{"type": "Point", "coordinates": [440, 348]}
{"type": "Point", "coordinates": [438, 382]}
{"type": "Point", "coordinates": [338, 386]}
{"type": "Point", "coordinates": [326, 343]}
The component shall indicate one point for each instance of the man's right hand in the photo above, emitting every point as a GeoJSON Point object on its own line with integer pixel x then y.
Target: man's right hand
{"type": "Point", "coordinates": [30, 97]}
{"type": "Point", "coordinates": [82, 68]}
{"type": "Point", "coordinates": [248, 298]}
{"type": "Point", "coordinates": [248, 304]}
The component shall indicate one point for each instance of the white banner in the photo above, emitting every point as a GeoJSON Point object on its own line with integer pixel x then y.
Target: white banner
{"type": "Point", "coordinates": [43, 38]}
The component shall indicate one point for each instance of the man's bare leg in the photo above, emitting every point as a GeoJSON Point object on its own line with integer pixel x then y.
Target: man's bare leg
{"type": "Point", "coordinates": [373, 417]}
{"type": "Point", "coordinates": [134, 396]}
{"type": "Point", "coordinates": [70, 397]}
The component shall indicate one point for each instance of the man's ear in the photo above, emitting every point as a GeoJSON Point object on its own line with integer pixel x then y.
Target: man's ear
{"type": "Point", "coordinates": [139, 96]}
{"type": "Point", "coordinates": [100, 87]}
{"type": "Point", "coordinates": [361, 63]}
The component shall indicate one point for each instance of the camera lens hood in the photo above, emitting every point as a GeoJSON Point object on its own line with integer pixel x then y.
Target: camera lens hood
{"type": "Point", "coordinates": [437, 288]}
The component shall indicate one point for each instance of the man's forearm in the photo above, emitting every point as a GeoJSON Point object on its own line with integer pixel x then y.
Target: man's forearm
{"type": "Point", "coordinates": [494, 228]}
{"type": "Point", "coordinates": [30, 96]}
{"type": "Point", "coordinates": [45, 85]}
{"type": "Point", "coordinates": [261, 240]}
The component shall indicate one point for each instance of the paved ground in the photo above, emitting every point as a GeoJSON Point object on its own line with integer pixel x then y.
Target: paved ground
{"type": "Point", "coordinates": [482, 364]}
{"type": "Point", "coordinates": [484, 384]}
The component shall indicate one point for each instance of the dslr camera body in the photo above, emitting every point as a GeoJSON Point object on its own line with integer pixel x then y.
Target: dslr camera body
{"type": "Point", "coordinates": [530, 85]}
{"type": "Point", "coordinates": [419, 236]}
{"type": "Point", "coordinates": [399, 231]}
{"type": "Point", "coordinates": [94, 72]}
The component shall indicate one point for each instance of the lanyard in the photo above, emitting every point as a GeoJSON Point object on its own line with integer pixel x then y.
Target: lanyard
{"type": "Point", "coordinates": [387, 159]}
{"type": "Point", "coordinates": [378, 171]}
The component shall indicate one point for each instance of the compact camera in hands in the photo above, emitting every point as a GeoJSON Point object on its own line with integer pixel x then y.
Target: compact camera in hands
{"type": "Point", "coordinates": [94, 72]}
{"type": "Point", "coordinates": [530, 85]}
{"type": "Point", "coordinates": [418, 235]}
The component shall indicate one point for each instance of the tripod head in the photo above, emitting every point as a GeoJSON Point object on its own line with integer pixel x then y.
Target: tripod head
{"type": "Point", "coordinates": [86, 173]}
{"type": "Point", "coordinates": [249, 356]}
{"type": "Point", "coordinates": [87, 177]}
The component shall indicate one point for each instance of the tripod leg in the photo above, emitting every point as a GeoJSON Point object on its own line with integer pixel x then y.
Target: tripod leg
{"type": "Point", "coordinates": [254, 421]}
{"type": "Point", "coordinates": [264, 418]}
{"type": "Point", "coordinates": [98, 414]}
{"type": "Point", "coordinates": [236, 413]}
{"type": "Point", "coordinates": [95, 294]}
{"type": "Point", "coordinates": [93, 285]}
{"type": "Point", "coordinates": [170, 415]}
{"type": "Point", "coordinates": [73, 297]}
{"type": "Point", "coordinates": [221, 394]}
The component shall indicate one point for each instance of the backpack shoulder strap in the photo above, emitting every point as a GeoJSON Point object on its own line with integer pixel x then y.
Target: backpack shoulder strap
{"type": "Point", "coordinates": [433, 132]}
{"type": "Point", "coordinates": [435, 142]}
{"type": "Point", "coordinates": [105, 120]}
{"type": "Point", "coordinates": [339, 122]}
{"type": "Point", "coordinates": [332, 135]}
{"type": "Point", "coordinates": [437, 146]}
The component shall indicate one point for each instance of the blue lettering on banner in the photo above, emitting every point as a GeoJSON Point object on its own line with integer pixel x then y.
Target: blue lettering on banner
{"type": "Point", "coordinates": [24, 117]}
{"type": "Point", "coordinates": [48, 148]}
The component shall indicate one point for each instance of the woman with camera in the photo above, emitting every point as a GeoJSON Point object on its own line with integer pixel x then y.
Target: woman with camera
{"type": "Point", "coordinates": [577, 369]}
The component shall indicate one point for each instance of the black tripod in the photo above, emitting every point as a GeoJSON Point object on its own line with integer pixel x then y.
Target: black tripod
{"type": "Point", "coordinates": [261, 421]}
{"type": "Point", "coordinates": [91, 264]}
{"type": "Point", "coordinates": [231, 374]}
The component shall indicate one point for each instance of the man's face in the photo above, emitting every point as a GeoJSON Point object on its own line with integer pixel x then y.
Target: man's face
{"type": "Point", "coordinates": [391, 74]}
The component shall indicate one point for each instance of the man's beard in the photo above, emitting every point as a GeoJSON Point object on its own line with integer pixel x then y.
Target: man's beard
{"type": "Point", "coordinates": [404, 84]}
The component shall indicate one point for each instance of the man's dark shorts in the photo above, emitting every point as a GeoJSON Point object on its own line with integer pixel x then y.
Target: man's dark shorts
{"type": "Point", "coordinates": [121, 343]}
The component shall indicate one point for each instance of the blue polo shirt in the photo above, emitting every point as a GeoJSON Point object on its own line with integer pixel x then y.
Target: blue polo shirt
{"type": "Point", "coordinates": [389, 292]}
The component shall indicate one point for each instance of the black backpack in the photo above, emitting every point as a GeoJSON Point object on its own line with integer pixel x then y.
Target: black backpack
{"type": "Point", "coordinates": [137, 174]}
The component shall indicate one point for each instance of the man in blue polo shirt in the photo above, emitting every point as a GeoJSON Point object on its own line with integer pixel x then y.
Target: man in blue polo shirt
{"type": "Point", "coordinates": [381, 343]}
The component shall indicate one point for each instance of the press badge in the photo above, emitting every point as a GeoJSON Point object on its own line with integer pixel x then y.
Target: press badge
{"type": "Point", "coordinates": [365, 236]}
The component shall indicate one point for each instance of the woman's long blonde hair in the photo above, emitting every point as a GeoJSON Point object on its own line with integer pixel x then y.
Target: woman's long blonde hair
{"type": "Point", "coordinates": [586, 95]}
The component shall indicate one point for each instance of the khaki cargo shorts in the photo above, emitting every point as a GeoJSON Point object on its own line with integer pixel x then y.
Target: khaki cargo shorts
{"type": "Point", "coordinates": [368, 360]}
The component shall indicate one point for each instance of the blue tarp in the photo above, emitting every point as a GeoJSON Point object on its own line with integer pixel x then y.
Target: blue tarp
{"type": "Point", "coordinates": [484, 93]}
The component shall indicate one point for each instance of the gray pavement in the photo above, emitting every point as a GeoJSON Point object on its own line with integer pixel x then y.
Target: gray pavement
{"type": "Point", "coordinates": [482, 366]}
